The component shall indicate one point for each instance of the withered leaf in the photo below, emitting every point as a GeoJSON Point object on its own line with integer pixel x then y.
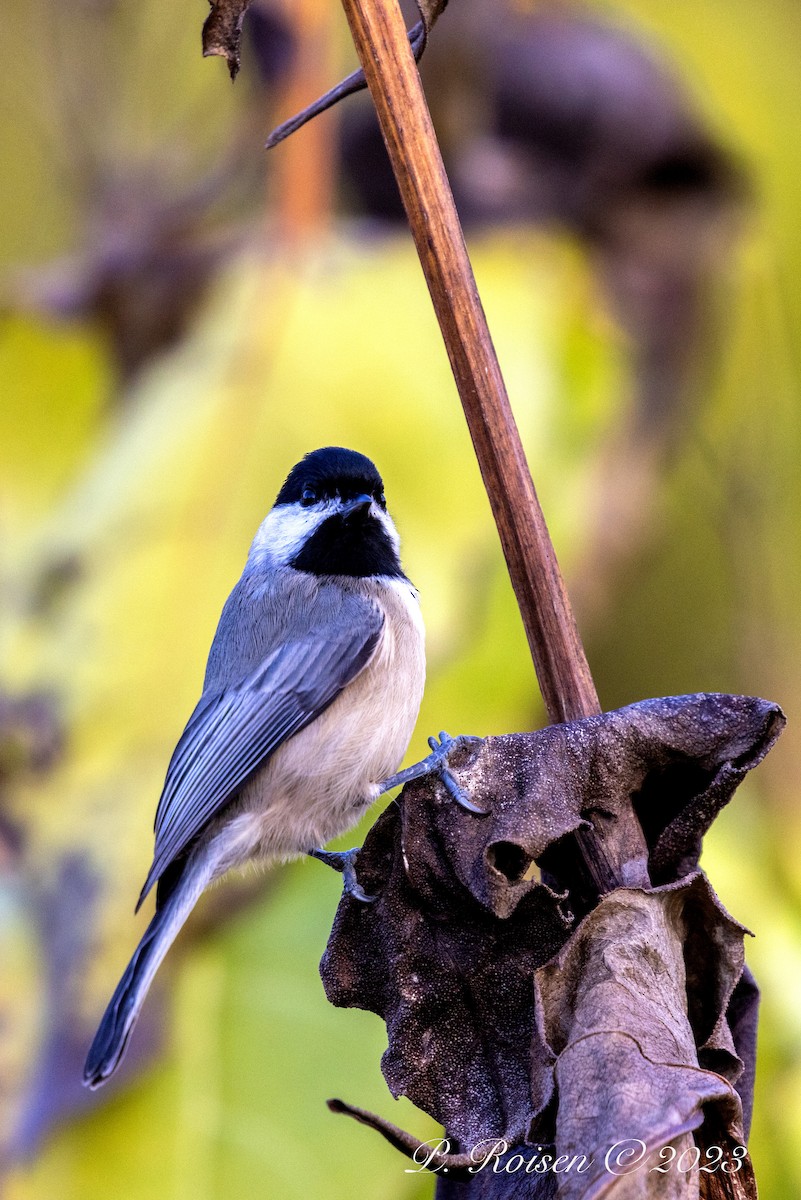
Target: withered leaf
{"type": "Point", "coordinates": [441, 983]}
{"type": "Point", "coordinates": [613, 1014]}
{"type": "Point", "coordinates": [222, 31]}
{"type": "Point", "coordinates": [489, 1031]}
{"type": "Point", "coordinates": [429, 10]}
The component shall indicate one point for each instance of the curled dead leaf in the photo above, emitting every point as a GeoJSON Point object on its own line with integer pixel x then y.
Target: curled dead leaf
{"type": "Point", "coordinates": [222, 31]}
{"type": "Point", "coordinates": [615, 1019]}
{"type": "Point", "coordinates": [520, 1010]}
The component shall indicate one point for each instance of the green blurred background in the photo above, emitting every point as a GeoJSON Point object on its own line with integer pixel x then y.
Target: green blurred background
{"type": "Point", "coordinates": [183, 317]}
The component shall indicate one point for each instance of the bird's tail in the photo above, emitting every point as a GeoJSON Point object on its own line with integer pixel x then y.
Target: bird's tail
{"type": "Point", "coordinates": [120, 1017]}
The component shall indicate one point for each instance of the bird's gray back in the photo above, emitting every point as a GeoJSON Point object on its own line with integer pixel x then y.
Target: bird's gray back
{"type": "Point", "coordinates": [268, 609]}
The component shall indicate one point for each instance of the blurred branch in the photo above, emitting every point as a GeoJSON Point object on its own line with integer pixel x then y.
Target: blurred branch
{"type": "Point", "coordinates": [305, 174]}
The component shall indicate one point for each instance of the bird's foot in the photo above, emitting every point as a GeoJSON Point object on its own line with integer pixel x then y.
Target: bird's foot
{"type": "Point", "coordinates": [437, 764]}
{"type": "Point", "coordinates": [344, 861]}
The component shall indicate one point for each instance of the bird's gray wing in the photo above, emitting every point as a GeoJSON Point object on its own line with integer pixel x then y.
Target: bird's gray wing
{"type": "Point", "coordinates": [232, 733]}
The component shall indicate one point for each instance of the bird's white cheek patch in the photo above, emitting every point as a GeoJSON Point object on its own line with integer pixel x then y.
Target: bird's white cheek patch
{"type": "Point", "coordinates": [284, 531]}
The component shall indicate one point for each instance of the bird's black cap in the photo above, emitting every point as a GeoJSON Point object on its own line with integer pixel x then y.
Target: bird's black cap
{"type": "Point", "coordinates": [331, 470]}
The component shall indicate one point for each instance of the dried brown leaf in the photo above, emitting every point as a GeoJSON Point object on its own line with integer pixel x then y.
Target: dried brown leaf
{"type": "Point", "coordinates": [222, 31]}
{"type": "Point", "coordinates": [454, 985]}
{"type": "Point", "coordinates": [614, 1013]}
{"type": "Point", "coordinates": [457, 954]}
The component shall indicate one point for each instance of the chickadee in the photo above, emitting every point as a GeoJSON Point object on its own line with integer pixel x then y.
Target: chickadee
{"type": "Point", "coordinates": [312, 689]}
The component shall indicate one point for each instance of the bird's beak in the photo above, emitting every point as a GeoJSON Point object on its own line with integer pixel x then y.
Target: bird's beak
{"type": "Point", "coordinates": [359, 506]}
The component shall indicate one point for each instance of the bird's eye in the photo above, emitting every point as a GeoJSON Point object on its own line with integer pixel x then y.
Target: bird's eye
{"type": "Point", "coordinates": [381, 500]}
{"type": "Point", "coordinates": [308, 496]}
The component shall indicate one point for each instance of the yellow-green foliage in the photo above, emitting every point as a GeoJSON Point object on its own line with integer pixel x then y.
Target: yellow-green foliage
{"type": "Point", "coordinates": [122, 534]}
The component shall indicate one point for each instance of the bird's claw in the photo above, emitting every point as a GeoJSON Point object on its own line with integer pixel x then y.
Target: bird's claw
{"type": "Point", "coordinates": [440, 750]}
{"type": "Point", "coordinates": [344, 861]}
{"type": "Point", "coordinates": [437, 764]}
